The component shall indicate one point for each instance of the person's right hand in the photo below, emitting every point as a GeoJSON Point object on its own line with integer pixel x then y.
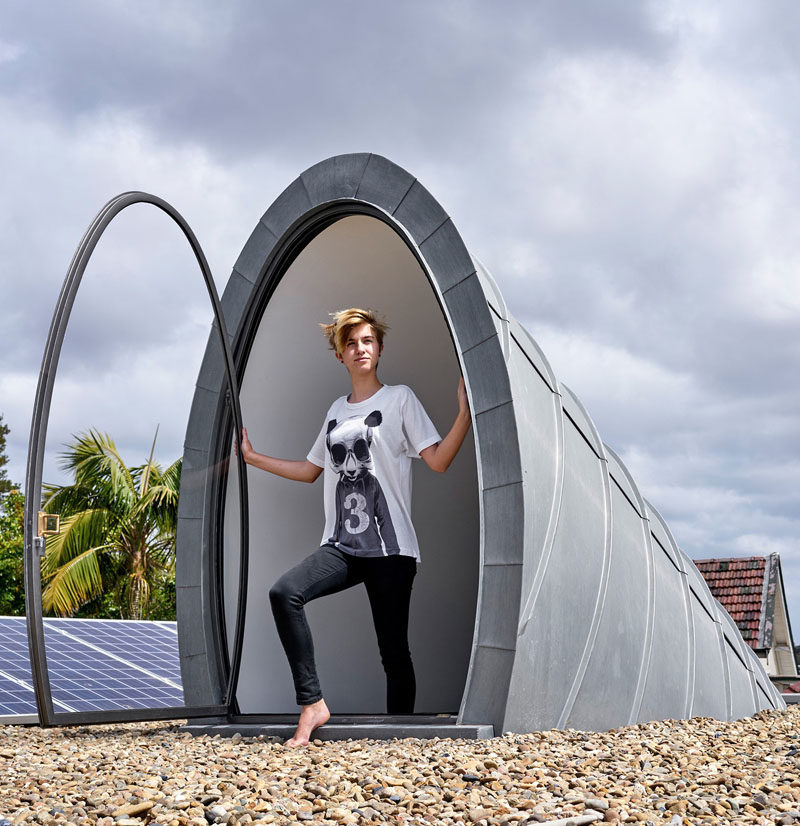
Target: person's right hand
{"type": "Point", "coordinates": [247, 448]}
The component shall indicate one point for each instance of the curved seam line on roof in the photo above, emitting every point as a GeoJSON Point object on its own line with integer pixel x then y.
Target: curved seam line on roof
{"type": "Point", "coordinates": [503, 485]}
{"type": "Point", "coordinates": [433, 231]}
{"type": "Point", "coordinates": [477, 343]}
{"type": "Point", "coordinates": [501, 564]}
{"type": "Point", "coordinates": [405, 195]}
{"type": "Point", "coordinates": [461, 281]}
{"type": "Point", "coordinates": [496, 647]}
{"type": "Point", "coordinates": [493, 407]}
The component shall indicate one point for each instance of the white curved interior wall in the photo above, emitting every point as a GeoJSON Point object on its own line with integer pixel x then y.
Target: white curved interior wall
{"type": "Point", "coordinates": [290, 380]}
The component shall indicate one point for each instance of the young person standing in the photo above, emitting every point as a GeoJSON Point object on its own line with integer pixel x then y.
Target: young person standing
{"type": "Point", "coordinates": [365, 447]}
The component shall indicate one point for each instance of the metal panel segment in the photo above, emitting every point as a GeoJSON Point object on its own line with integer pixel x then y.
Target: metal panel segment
{"type": "Point", "coordinates": [620, 648]}
{"type": "Point", "coordinates": [580, 417]}
{"type": "Point", "coordinates": [709, 697]}
{"type": "Point", "coordinates": [623, 479]}
{"type": "Point", "coordinates": [339, 177]}
{"type": "Point", "coordinates": [557, 628]}
{"type": "Point", "coordinates": [666, 684]}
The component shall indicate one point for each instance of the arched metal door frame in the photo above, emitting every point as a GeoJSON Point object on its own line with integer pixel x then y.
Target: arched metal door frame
{"type": "Point", "coordinates": [34, 544]}
{"type": "Point", "coordinates": [340, 186]}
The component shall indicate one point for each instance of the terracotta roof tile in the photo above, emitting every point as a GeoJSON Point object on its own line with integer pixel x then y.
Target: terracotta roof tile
{"type": "Point", "coordinates": [738, 584]}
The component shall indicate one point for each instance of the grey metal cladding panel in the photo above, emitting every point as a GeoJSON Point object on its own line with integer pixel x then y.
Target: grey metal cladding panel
{"type": "Point", "coordinates": [188, 606]}
{"type": "Point", "coordinates": [287, 208]}
{"type": "Point", "coordinates": [189, 552]}
{"type": "Point", "coordinates": [608, 691]}
{"type": "Point", "coordinates": [212, 374]}
{"type": "Point", "coordinates": [255, 252]}
{"type": "Point", "coordinates": [668, 670]}
{"type": "Point", "coordinates": [384, 183]}
{"type": "Point", "coordinates": [503, 518]}
{"type": "Point", "coordinates": [197, 689]}
{"type": "Point", "coordinates": [538, 412]}
{"type": "Point", "coordinates": [709, 698]}
{"type": "Point", "coordinates": [700, 587]}
{"type": "Point", "coordinates": [620, 475]}
{"type": "Point", "coordinates": [212, 369]}
{"type": "Point", "coordinates": [488, 378]}
{"type": "Point", "coordinates": [191, 497]}
{"type": "Point", "coordinates": [420, 213]}
{"type": "Point", "coordinates": [533, 353]}
{"type": "Point", "coordinates": [772, 691]}
{"type": "Point", "coordinates": [663, 536]}
{"type": "Point", "coordinates": [499, 608]}
{"type": "Point", "coordinates": [487, 687]}
{"type": "Point", "coordinates": [526, 708]}
{"type": "Point", "coordinates": [493, 296]}
{"type": "Point", "coordinates": [764, 699]}
{"type": "Point", "coordinates": [201, 418]}
{"type": "Point", "coordinates": [733, 636]}
{"type": "Point", "coordinates": [561, 616]}
{"type": "Point", "coordinates": [446, 256]}
{"type": "Point", "coordinates": [497, 439]}
{"type": "Point", "coordinates": [581, 419]}
{"type": "Point", "coordinates": [193, 460]}
{"type": "Point", "coordinates": [763, 683]}
{"type": "Point", "coordinates": [743, 703]}
{"type": "Point", "coordinates": [234, 300]}
{"type": "Point", "coordinates": [491, 289]}
{"type": "Point", "coordinates": [336, 177]}
{"type": "Point", "coordinates": [469, 313]}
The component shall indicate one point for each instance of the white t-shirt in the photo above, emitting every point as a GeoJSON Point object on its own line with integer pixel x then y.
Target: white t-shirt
{"type": "Point", "coordinates": [366, 451]}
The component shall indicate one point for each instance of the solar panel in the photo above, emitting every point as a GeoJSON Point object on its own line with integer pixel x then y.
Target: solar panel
{"type": "Point", "coordinates": [93, 665]}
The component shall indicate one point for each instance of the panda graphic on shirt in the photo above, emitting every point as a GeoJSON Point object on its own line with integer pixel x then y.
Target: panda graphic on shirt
{"type": "Point", "coordinates": [362, 521]}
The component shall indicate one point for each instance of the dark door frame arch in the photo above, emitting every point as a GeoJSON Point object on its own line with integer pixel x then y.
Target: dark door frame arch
{"type": "Point", "coordinates": [34, 544]}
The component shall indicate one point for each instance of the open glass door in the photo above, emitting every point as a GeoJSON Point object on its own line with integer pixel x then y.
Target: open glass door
{"type": "Point", "coordinates": [115, 655]}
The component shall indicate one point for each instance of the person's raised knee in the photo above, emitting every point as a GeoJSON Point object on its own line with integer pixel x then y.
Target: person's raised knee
{"type": "Point", "coordinates": [282, 594]}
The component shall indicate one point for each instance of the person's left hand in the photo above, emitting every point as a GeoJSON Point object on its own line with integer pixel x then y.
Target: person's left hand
{"type": "Point", "coordinates": [463, 401]}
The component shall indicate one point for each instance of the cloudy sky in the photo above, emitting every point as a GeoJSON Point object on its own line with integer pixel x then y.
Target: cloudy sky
{"type": "Point", "coordinates": [643, 223]}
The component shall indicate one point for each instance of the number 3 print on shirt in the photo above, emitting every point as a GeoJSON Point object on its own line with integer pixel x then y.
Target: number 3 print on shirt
{"type": "Point", "coordinates": [363, 524]}
{"type": "Point", "coordinates": [357, 505]}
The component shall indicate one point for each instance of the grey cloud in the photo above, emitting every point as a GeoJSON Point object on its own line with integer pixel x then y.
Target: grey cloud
{"type": "Point", "coordinates": [624, 170]}
{"type": "Point", "coordinates": [241, 77]}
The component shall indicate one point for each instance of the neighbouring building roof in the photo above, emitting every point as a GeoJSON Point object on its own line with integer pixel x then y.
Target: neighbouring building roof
{"type": "Point", "coordinates": [743, 587]}
{"type": "Point", "coordinates": [751, 591]}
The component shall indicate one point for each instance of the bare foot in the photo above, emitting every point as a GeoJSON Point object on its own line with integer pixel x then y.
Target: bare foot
{"type": "Point", "coordinates": [311, 717]}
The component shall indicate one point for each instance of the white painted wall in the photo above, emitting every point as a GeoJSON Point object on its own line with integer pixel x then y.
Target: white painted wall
{"type": "Point", "coordinates": [290, 380]}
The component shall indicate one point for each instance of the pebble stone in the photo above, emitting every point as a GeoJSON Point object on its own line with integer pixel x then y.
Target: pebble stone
{"type": "Point", "coordinates": [677, 772]}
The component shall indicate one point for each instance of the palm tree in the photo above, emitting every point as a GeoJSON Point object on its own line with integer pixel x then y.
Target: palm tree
{"type": "Point", "coordinates": [117, 528]}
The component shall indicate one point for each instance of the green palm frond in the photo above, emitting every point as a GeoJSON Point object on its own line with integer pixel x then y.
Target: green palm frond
{"type": "Point", "coordinates": [73, 584]}
{"type": "Point", "coordinates": [118, 523]}
{"type": "Point", "coordinates": [148, 468]}
{"type": "Point", "coordinates": [161, 554]}
{"type": "Point", "coordinates": [171, 477]}
{"type": "Point", "coordinates": [94, 460]}
{"type": "Point", "coordinates": [68, 499]}
{"type": "Point", "coordinates": [87, 529]}
{"type": "Point", "coordinates": [159, 507]}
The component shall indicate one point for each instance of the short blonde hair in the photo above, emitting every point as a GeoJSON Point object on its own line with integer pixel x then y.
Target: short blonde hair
{"type": "Point", "coordinates": [338, 331]}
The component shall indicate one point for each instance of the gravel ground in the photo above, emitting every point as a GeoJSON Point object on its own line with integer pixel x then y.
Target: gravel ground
{"type": "Point", "coordinates": [695, 771]}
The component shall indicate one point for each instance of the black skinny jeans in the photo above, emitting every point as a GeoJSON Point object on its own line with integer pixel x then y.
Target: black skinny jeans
{"type": "Point", "coordinates": [388, 580]}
